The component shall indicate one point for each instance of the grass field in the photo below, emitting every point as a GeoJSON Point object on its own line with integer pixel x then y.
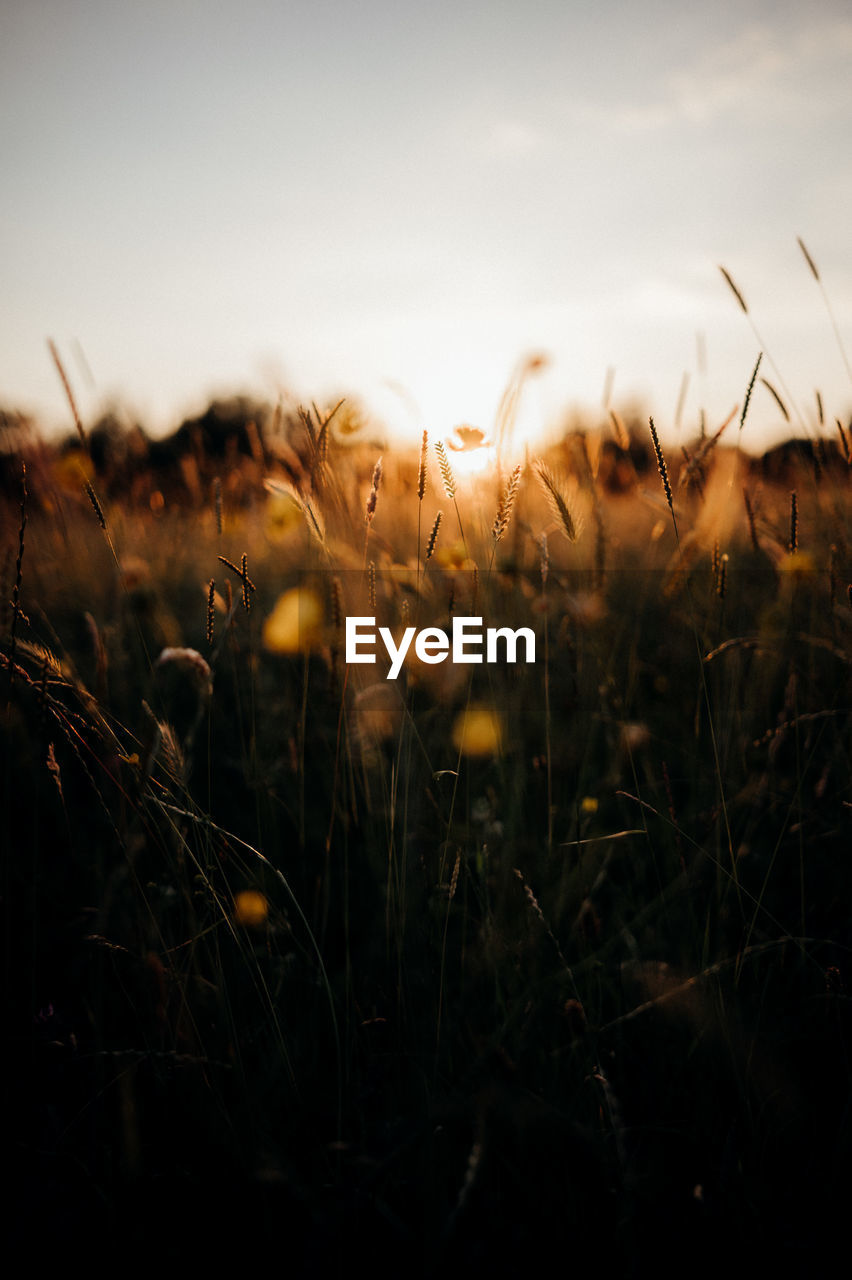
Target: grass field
{"type": "Point", "coordinates": [473, 968]}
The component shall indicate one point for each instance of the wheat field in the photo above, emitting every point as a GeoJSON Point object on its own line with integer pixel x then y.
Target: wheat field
{"type": "Point", "coordinates": [474, 967]}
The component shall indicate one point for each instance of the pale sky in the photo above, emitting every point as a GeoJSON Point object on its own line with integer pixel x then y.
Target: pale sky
{"type": "Point", "coordinates": [403, 199]}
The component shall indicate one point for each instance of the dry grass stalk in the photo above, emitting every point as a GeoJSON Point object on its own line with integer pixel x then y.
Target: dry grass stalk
{"type": "Point", "coordinates": [336, 604]}
{"type": "Point", "coordinates": [722, 577]}
{"type": "Point", "coordinates": [150, 746]}
{"type": "Point", "coordinates": [506, 503]}
{"type": "Point", "coordinates": [808, 259]}
{"type": "Point", "coordinates": [308, 424]}
{"type": "Point", "coordinates": [777, 399]}
{"type": "Point", "coordinates": [749, 390]}
{"type": "Point", "coordinates": [819, 459]}
{"type": "Point", "coordinates": [433, 536]}
{"type": "Point", "coordinates": [60, 369]}
{"type": "Point", "coordinates": [313, 518]}
{"type": "Point", "coordinates": [752, 528]}
{"type": "Point", "coordinates": [255, 443]}
{"type": "Point", "coordinates": [693, 471]}
{"type": "Point", "coordinates": [844, 442]}
{"type": "Point", "coordinates": [244, 578]}
{"type": "Point", "coordinates": [662, 468]}
{"type": "Point", "coordinates": [710, 443]}
{"type": "Point", "coordinates": [421, 472]}
{"type": "Point", "coordinates": [374, 492]}
{"type": "Point", "coordinates": [622, 436]}
{"type": "Point", "coordinates": [211, 609]}
{"type": "Point", "coordinates": [734, 290]}
{"type": "Point", "coordinates": [217, 504]}
{"type": "Point", "coordinates": [321, 443]}
{"type": "Point", "coordinates": [558, 501]}
{"type": "Point", "coordinates": [241, 572]}
{"type": "Point", "coordinates": [96, 506]}
{"type": "Point", "coordinates": [446, 470]}
{"type": "Point", "coordinates": [53, 769]}
{"type": "Point", "coordinates": [322, 448]}
{"type": "Point", "coordinates": [536, 908]}
{"type": "Point", "coordinates": [42, 689]}
{"type": "Point", "coordinates": [454, 879]}
{"type": "Point", "coordinates": [371, 585]}
{"type": "Point", "coordinates": [678, 571]}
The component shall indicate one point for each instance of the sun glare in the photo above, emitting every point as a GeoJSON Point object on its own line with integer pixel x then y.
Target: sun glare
{"type": "Point", "coordinates": [472, 462]}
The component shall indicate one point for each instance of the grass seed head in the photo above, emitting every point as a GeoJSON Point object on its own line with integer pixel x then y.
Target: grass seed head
{"type": "Point", "coordinates": [558, 501]}
{"type": "Point", "coordinates": [211, 609]}
{"type": "Point", "coordinates": [96, 506]}
{"type": "Point", "coordinates": [734, 290]}
{"type": "Point", "coordinates": [506, 503]}
{"type": "Point", "coordinates": [808, 259]}
{"type": "Point", "coordinates": [374, 491]}
{"type": "Point", "coordinates": [446, 470]}
{"type": "Point", "coordinates": [433, 536]}
{"type": "Point", "coordinates": [661, 465]}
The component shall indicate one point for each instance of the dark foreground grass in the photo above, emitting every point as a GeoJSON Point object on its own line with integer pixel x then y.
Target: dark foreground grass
{"type": "Point", "coordinates": [484, 967]}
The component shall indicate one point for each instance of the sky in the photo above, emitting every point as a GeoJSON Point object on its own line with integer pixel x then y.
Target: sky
{"type": "Point", "coordinates": [401, 201]}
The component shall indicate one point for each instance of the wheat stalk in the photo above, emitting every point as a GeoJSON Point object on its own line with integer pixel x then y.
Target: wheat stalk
{"type": "Point", "coordinates": [557, 500]}
{"type": "Point", "coordinates": [433, 536]}
{"type": "Point", "coordinates": [421, 472]}
{"type": "Point", "coordinates": [372, 500]}
{"type": "Point", "coordinates": [446, 470]}
{"type": "Point", "coordinates": [663, 470]}
{"type": "Point", "coordinates": [313, 518]}
{"type": "Point", "coordinates": [449, 482]}
{"type": "Point", "coordinates": [505, 505]}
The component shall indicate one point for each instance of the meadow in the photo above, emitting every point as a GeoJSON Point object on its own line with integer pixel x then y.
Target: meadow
{"type": "Point", "coordinates": [473, 968]}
